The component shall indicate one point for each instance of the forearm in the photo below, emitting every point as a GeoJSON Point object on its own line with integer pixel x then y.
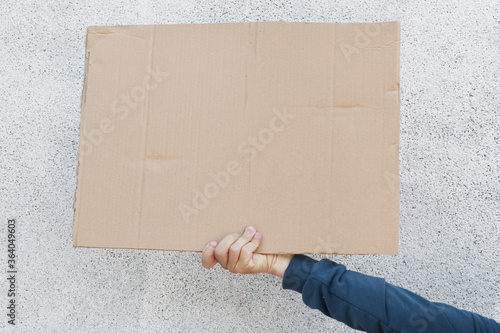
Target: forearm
{"type": "Point", "coordinates": [370, 304]}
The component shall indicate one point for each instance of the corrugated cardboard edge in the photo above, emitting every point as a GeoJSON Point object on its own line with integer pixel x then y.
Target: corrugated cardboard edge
{"type": "Point", "coordinates": [82, 106]}
{"type": "Point", "coordinates": [367, 253]}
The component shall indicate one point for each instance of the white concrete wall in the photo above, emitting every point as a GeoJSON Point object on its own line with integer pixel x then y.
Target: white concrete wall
{"type": "Point", "coordinates": [449, 157]}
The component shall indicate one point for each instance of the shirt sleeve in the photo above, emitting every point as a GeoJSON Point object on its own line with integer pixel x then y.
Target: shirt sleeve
{"type": "Point", "coordinates": [370, 304]}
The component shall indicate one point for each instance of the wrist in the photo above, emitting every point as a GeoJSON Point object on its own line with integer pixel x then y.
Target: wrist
{"type": "Point", "coordinates": [279, 264]}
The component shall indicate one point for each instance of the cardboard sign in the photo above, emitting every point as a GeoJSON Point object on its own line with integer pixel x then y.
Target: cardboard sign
{"type": "Point", "coordinates": [190, 132]}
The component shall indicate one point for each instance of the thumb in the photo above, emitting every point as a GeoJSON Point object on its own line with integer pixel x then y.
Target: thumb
{"type": "Point", "coordinates": [208, 256]}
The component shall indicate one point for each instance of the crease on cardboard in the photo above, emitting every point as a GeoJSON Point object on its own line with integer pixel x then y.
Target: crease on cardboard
{"type": "Point", "coordinates": [145, 138]}
{"type": "Point", "coordinates": [330, 115]}
{"type": "Point", "coordinates": [83, 99]}
{"type": "Point", "coordinates": [111, 30]}
{"type": "Point", "coordinates": [255, 30]}
{"type": "Point", "coordinates": [331, 120]}
{"type": "Point", "coordinates": [97, 35]}
{"type": "Point", "coordinates": [399, 92]}
{"type": "Point", "coordinates": [134, 36]}
{"type": "Point", "coordinates": [101, 33]}
{"type": "Point", "coordinates": [102, 30]}
{"type": "Point", "coordinates": [165, 158]}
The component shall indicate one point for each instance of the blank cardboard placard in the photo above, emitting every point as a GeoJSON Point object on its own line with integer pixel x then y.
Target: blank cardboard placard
{"type": "Point", "coordinates": [190, 132]}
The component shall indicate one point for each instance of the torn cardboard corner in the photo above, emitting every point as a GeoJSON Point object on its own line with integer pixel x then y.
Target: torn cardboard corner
{"type": "Point", "coordinates": [190, 132]}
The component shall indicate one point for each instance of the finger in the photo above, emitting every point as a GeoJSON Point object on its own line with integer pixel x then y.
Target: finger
{"type": "Point", "coordinates": [208, 256]}
{"type": "Point", "coordinates": [247, 251]}
{"type": "Point", "coordinates": [222, 250]}
{"type": "Point", "coordinates": [235, 249]}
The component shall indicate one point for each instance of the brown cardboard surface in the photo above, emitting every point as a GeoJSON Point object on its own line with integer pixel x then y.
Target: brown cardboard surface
{"type": "Point", "coordinates": [190, 132]}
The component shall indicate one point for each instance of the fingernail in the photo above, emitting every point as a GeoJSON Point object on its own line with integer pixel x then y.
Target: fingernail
{"type": "Point", "coordinates": [212, 245]}
{"type": "Point", "coordinates": [250, 229]}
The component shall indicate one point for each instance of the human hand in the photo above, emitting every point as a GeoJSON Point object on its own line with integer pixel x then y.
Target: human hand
{"type": "Point", "coordinates": [236, 254]}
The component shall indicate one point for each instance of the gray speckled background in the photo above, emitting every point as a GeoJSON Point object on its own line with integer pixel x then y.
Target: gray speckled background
{"type": "Point", "coordinates": [449, 157]}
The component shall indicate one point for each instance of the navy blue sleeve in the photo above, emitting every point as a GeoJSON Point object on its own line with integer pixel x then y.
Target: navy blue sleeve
{"type": "Point", "coordinates": [370, 304]}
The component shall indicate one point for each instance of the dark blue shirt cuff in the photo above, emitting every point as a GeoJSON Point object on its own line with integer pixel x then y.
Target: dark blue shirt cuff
{"type": "Point", "coordinates": [297, 272]}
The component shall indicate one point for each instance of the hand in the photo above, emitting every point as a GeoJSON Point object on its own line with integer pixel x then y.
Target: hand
{"type": "Point", "coordinates": [236, 254]}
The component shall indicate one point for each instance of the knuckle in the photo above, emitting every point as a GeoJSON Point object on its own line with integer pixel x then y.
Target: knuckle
{"type": "Point", "coordinates": [246, 250]}
{"type": "Point", "coordinates": [235, 248]}
{"type": "Point", "coordinates": [219, 253]}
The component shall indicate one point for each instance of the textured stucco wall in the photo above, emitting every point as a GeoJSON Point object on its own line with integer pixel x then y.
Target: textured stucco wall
{"type": "Point", "coordinates": [449, 157]}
